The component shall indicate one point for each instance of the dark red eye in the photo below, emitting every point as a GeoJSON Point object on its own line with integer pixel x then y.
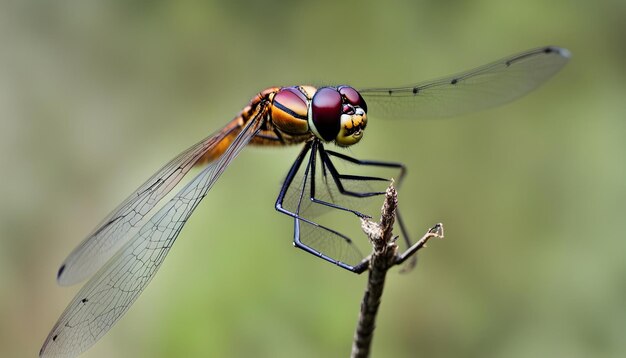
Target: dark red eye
{"type": "Point", "coordinates": [353, 97]}
{"type": "Point", "coordinates": [326, 115]}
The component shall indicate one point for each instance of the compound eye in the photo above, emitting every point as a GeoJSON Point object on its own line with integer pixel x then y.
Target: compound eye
{"type": "Point", "coordinates": [353, 97]}
{"type": "Point", "coordinates": [326, 110]}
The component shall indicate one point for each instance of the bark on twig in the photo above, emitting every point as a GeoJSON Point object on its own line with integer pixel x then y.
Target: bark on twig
{"type": "Point", "coordinates": [384, 256]}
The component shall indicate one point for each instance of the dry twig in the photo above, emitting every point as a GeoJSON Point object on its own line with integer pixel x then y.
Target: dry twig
{"type": "Point", "coordinates": [384, 256]}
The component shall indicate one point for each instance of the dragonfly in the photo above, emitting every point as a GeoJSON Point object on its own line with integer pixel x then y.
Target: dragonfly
{"type": "Point", "coordinates": [125, 251]}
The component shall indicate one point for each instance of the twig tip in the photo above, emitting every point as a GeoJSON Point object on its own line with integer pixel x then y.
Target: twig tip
{"type": "Point", "coordinates": [437, 231]}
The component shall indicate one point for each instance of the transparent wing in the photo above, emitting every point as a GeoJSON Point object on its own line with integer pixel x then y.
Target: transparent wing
{"type": "Point", "coordinates": [118, 227]}
{"type": "Point", "coordinates": [315, 223]}
{"type": "Point", "coordinates": [328, 194]}
{"type": "Point", "coordinates": [481, 88]}
{"type": "Point", "coordinates": [109, 294]}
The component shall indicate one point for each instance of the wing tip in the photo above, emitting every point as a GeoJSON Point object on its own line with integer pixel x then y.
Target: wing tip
{"type": "Point", "coordinates": [69, 277]}
{"type": "Point", "coordinates": [561, 51]}
{"type": "Point", "coordinates": [60, 273]}
{"type": "Point", "coordinates": [62, 277]}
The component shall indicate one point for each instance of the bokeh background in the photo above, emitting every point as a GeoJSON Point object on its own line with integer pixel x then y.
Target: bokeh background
{"type": "Point", "coordinates": [96, 95]}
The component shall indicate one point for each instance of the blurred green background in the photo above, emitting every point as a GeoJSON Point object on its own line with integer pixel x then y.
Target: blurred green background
{"type": "Point", "coordinates": [96, 95]}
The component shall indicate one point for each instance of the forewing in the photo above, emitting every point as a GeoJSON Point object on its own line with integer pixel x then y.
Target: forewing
{"type": "Point", "coordinates": [481, 88]}
{"type": "Point", "coordinates": [119, 226]}
{"type": "Point", "coordinates": [109, 294]}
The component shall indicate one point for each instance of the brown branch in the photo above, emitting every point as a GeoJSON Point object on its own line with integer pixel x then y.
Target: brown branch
{"type": "Point", "coordinates": [384, 256]}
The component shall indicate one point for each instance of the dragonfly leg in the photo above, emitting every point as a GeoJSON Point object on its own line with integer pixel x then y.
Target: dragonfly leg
{"type": "Point", "coordinates": [373, 163]}
{"type": "Point", "coordinates": [328, 171]}
{"type": "Point", "coordinates": [359, 268]}
{"type": "Point", "coordinates": [326, 157]}
{"type": "Point", "coordinates": [412, 261]}
{"type": "Point", "coordinates": [327, 168]}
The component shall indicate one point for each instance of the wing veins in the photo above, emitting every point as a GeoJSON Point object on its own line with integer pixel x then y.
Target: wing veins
{"type": "Point", "coordinates": [116, 228]}
{"type": "Point", "coordinates": [109, 294]}
{"type": "Point", "coordinates": [483, 87]}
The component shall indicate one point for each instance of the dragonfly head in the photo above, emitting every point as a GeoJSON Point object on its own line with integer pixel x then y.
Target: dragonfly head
{"type": "Point", "coordinates": [338, 114]}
